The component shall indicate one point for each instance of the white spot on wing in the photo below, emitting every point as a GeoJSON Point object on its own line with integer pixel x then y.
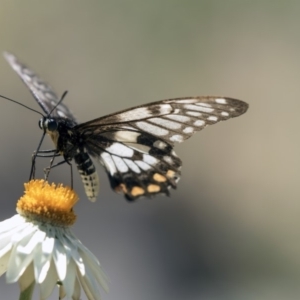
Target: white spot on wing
{"type": "Point", "coordinates": [108, 163]}
{"type": "Point", "coordinates": [221, 101]}
{"type": "Point", "coordinates": [174, 153]}
{"type": "Point", "coordinates": [165, 123]}
{"type": "Point", "coordinates": [186, 101]}
{"type": "Point", "coordinates": [152, 128]}
{"type": "Point", "coordinates": [132, 165]}
{"type": "Point", "coordinates": [138, 147]}
{"type": "Point", "coordinates": [160, 145]}
{"type": "Point", "coordinates": [120, 150]}
{"type": "Point", "coordinates": [199, 123]}
{"type": "Point", "coordinates": [150, 160]}
{"type": "Point", "coordinates": [128, 127]}
{"type": "Point", "coordinates": [121, 166]}
{"type": "Point", "coordinates": [188, 130]}
{"type": "Point", "coordinates": [61, 114]}
{"type": "Point", "coordinates": [142, 165]}
{"type": "Point", "coordinates": [143, 112]}
{"type": "Point", "coordinates": [179, 118]}
{"type": "Point", "coordinates": [212, 118]}
{"type": "Point", "coordinates": [225, 113]}
{"type": "Point", "coordinates": [168, 159]}
{"type": "Point", "coordinates": [126, 136]}
{"type": "Point", "coordinates": [193, 113]}
{"type": "Point", "coordinates": [199, 108]}
{"type": "Point", "coordinates": [176, 138]}
{"type": "Point", "coordinates": [165, 108]}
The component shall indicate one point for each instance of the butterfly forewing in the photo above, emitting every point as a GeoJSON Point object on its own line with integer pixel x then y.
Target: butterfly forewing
{"type": "Point", "coordinates": [135, 146]}
{"type": "Point", "coordinates": [41, 91]}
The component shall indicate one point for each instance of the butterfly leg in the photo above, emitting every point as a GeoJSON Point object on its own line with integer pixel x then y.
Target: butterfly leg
{"type": "Point", "coordinates": [51, 166]}
{"type": "Point", "coordinates": [32, 171]}
{"type": "Point", "coordinates": [40, 153]}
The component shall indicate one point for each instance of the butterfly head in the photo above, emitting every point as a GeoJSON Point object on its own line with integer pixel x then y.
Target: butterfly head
{"type": "Point", "coordinates": [48, 124]}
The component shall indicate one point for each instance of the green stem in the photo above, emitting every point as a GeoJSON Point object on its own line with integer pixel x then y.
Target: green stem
{"type": "Point", "coordinates": [27, 294]}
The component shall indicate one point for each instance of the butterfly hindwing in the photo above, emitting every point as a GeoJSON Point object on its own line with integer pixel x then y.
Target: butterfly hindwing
{"type": "Point", "coordinates": [138, 164]}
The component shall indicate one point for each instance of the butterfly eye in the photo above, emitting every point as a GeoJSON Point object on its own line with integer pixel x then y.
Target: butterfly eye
{"type": "Point", "coordinates": [51, 125]}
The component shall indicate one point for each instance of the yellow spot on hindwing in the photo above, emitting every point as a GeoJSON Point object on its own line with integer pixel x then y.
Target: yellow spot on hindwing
{"type": "Point", "coordinates": [159, 178]}
{"type": "Point", "coordinates": [153, 188]}
{"type": "Point", "coordinates": [121, 188]}
{"type": "Point", "coordinates": [137, 191]}
{"type": "Point", "coordinates": [170, 173]}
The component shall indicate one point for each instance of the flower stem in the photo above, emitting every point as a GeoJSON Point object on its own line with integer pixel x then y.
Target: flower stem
{"type": "Point", "coordinates": [27, 294]}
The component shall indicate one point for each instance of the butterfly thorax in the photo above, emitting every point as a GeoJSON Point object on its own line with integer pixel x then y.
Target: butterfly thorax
{"type": "Point", "coordinates": [61, 130]}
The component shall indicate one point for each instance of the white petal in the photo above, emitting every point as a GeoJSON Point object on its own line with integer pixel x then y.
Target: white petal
{"type": "Point", "coordinates": [5, 249]}
{"type": "Point", "coordinates": [4, 262]}
{"type": "Point", "coordinates": [42, 259]}
{"type": "Point", "coordinates": [77, 259]}
{"type": "Point", "coordinates": [77, 290]}
{"type": "Point", "coordinates": [6, 237]}
{"type": "Point", "coordinates": [27, 231]}
{"type": "Point", "coordinates": [67, 248]}
{"type": "Point", "coordinates": [11, 223]}
{"type": "Point", "coordinates": [27, 278]}
{"type": "Point", "coordinates": [90, 286]}
{"type": "Point", "coordinates": [84, 270]}
{"type": "Point", "coordinates": [88, 252]}
{"type": "Point", "coordinates": [60, 260]}
{"type": "Point", "coordinates": [47, 286]}
{"type": "Point", "coordinates": [69, 280]}
{"type": "Point", "coordinates": [19, 261]}
{"type": "Point", "coordinates": [35, 239]}
{"type": "Point", "coordinates": [85, 287]}
{"type": "Point", "coordinates": [95, 269]}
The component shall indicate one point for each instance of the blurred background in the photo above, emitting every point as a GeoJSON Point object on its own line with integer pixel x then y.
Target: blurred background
{"type": "Point", "coordinates": [232, 229]}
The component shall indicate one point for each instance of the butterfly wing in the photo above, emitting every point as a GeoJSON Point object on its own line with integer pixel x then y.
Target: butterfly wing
{"type": "Point", "coordinates": [41, 91]}
{"type": "Point", "coordinates": [136, 145]}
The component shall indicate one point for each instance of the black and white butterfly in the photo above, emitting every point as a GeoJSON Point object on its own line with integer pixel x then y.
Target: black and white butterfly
{"type": "Point", "coordinates": [135, 146]}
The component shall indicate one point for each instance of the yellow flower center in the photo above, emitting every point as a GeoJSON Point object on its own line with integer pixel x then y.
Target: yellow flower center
{"type": "Point", "coordinates": [48, 203]}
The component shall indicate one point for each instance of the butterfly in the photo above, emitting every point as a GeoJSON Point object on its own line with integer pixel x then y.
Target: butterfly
{"type": "Point", "coordinates": [135, 146]}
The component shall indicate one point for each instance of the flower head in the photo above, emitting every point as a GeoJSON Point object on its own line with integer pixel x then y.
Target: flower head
{"type": "Point", "coordinates": [37, 245]}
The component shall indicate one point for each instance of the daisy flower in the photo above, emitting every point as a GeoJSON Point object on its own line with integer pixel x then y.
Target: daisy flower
{"type": "Point", "coordinates": [37, 246]}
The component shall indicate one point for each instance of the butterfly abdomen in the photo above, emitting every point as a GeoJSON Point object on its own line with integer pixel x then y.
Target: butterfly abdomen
{"type": "Point", "coordinates": [88, 174]}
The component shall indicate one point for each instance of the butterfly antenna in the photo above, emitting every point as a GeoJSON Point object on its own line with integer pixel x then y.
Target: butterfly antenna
{"type": "Point", "coordinates": [14, 101]}
{"type": "Point", "coordinates": [59, 102]}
